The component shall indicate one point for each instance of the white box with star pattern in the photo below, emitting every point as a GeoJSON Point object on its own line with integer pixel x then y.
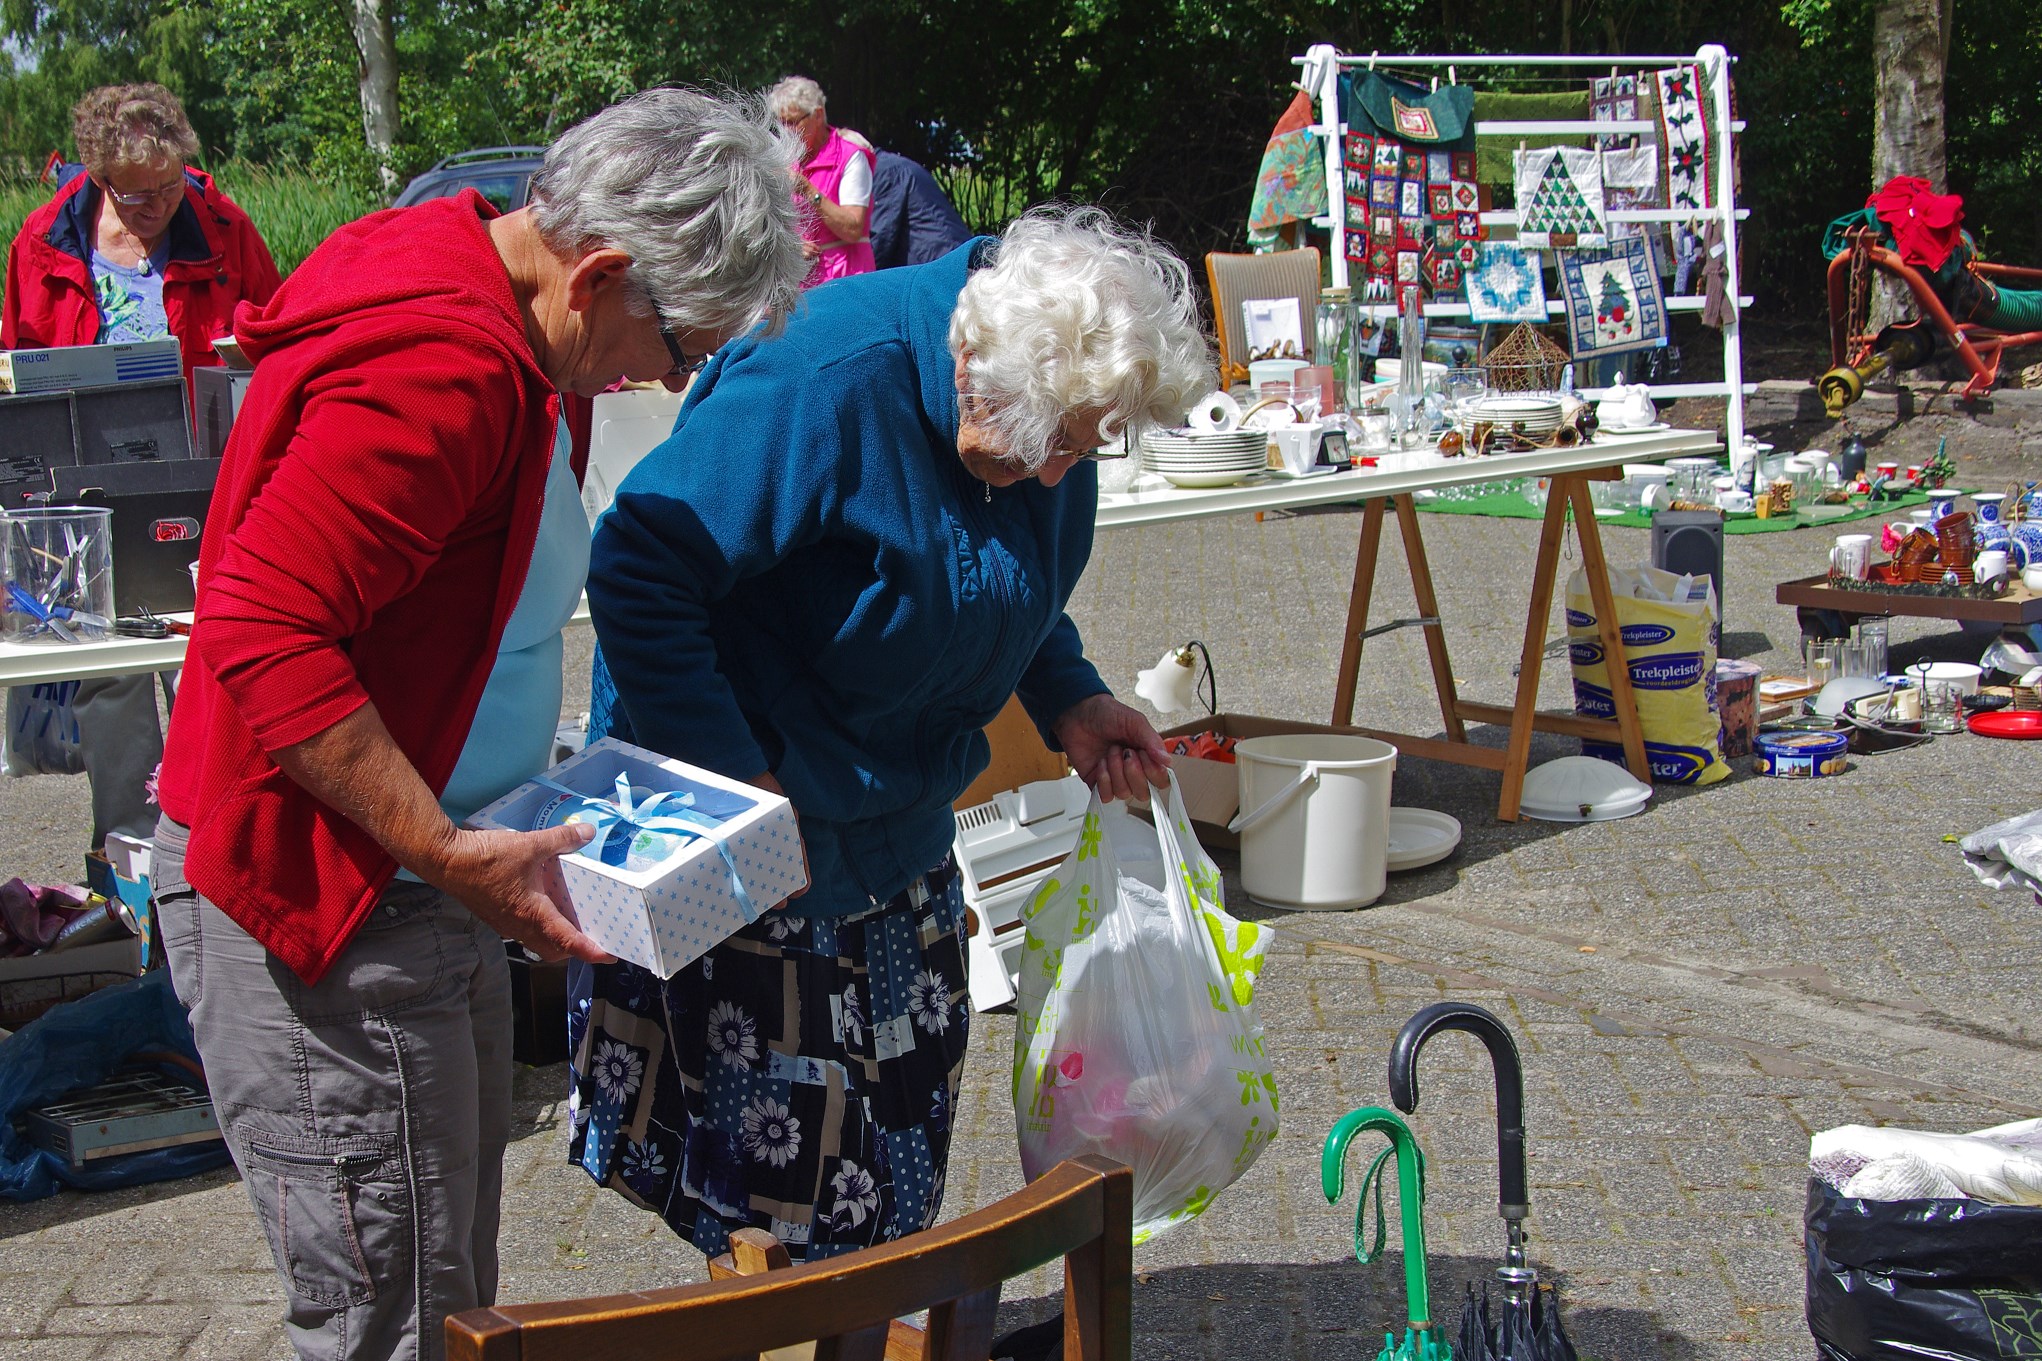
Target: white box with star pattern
{"type": "Point", "coordinates": [671, 914]}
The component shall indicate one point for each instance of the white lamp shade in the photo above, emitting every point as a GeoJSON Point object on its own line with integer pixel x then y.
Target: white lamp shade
{"type": "Point", "coordinates": [1171, 684]}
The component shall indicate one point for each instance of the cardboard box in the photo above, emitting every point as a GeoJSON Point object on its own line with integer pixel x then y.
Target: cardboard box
{"type": "Point", "coordinates": [665, 916]}
{"type": "Point", "coordinates": [77, 366]}
{"type": "Point", "coordinates": [1212, 789]}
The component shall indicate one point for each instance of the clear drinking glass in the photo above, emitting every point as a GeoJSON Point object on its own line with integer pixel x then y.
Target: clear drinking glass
{"type": "Point", "coordinates": [1306, 399]}
{"type": "Point", "coordinates": [1872, 637]}
{"type": "Point", "coordinates": [1824, 659]}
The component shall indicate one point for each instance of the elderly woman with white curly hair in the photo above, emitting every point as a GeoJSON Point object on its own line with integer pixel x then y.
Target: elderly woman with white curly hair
{"type": "Point", "coordinates": [395, 545]}
{"type": "Point", "coordinates": [856, 545]}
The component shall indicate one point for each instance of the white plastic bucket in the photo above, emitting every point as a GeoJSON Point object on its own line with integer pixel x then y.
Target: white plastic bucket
{"type": "Point", "coordinates": [1315, 819]}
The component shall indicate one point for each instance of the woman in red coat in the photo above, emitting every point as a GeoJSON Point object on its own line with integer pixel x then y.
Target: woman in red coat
{"type": "Point", "coordinates": [136, 245]}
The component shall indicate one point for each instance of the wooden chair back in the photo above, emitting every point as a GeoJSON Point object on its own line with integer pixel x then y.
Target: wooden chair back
{"type": "Point", "coordinates": [1081, 1210]}
{"type": "Point", "coordinates": [1236, 279]}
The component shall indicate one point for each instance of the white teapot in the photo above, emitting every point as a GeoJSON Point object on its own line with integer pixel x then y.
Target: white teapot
{"type": "Point", "coordinates": [1627, 407]}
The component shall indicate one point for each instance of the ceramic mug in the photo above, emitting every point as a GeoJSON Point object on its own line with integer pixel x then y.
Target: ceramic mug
{"type": "Point", "coordinates": [2032, 579]}
{"type": "Point", "coordinates": [1734, 501]}
{"type": "Point", "coordinates": [1850, 559]}
{"type": "Point", "coordinates": [1989, 565]}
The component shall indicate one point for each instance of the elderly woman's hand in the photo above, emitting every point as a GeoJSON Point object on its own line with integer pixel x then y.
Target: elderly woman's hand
{"type": "Point", "coordinates": [1113, 748]}
{"type": "Point", "coordinates": [512, 881]}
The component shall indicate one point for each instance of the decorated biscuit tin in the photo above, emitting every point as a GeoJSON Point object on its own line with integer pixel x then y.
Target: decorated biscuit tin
{"type": "Point", "coordinates": [1800, 755]}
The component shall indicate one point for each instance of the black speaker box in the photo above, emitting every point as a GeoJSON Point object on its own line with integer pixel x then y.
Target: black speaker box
{"type": "Point", "coordinates": [1690, 541]}
{"type": "Point", "coordinates": [140, 422]}
{"type": "Point", "coordinates": [159, 511]}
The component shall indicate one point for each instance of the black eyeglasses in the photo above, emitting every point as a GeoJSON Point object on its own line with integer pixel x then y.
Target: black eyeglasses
{"type": "Point", "coordinates": [1106, 454]}
{"type": "Point", "coordinates": [684, 366]}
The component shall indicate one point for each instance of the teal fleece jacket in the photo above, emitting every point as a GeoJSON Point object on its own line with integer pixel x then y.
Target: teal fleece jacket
{"type": "Point", "coordinates": [804, 579]}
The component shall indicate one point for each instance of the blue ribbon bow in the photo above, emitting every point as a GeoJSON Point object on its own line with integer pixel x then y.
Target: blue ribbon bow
{"type": "Point", "coordinates": [670, 813]}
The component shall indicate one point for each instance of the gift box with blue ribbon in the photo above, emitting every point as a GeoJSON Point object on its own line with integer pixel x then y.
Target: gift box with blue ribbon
{"type": "Point", "coordinates": [681, 859]}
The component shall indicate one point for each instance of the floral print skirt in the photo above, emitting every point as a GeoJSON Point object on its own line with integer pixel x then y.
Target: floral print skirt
{"type": "Point", "coordinates": [798, 1078]}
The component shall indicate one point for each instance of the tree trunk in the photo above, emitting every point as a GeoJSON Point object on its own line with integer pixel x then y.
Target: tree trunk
{"type": "Point", "coordinates": [376, 74]}
{"type": "Point", "coordinates": [1910, 52]}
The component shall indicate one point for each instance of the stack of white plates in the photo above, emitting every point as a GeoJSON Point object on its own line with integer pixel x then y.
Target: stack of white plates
{"type": "Point", "coordinates": [1533, 417]}
{"type": "Point", "coordinates": [1192, 458]}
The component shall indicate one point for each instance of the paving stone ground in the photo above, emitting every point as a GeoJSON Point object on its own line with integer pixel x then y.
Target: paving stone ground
{"type": "Point", "coordinates": [1696, 990]}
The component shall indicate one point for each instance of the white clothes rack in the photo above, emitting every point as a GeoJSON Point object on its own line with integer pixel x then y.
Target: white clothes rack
{"type": "Point", "coordinates": [1323, 65]}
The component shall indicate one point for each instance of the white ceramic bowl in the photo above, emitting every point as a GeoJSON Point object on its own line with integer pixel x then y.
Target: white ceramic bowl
{"type": "Point", "coordinates": [1964, 674]}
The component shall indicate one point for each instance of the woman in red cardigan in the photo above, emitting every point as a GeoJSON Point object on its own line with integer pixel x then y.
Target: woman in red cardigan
{"type": "Point", "coordinates": [394, 548]}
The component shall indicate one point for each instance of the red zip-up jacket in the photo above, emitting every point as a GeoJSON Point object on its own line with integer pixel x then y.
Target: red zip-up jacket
{"type": "Point", "coordinates": [217, 260]}
{"type": "Point", "coordinates": [369, 536]}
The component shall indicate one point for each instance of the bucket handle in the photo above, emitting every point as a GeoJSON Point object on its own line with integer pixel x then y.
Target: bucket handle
{"type": "Point", "coordinates": [1244, 822]}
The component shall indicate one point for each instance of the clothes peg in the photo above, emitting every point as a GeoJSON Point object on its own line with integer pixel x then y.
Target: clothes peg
{"type": "Point", "coordinates": [1372, 58]}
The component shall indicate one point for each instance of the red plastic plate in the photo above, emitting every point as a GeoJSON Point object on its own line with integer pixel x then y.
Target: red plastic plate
{"type": "Point", "coordinates": [2018, 723]}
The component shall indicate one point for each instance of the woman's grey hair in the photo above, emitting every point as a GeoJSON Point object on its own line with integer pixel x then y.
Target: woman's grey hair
{"type": "Point", "coordinates": [140, 125]}
{"type": "Point", "coordinates": [795, 97]}
{"type": "Point", "coordinates": [1078, 313]}
{"type": "Point", "coordinates": [695, 190]}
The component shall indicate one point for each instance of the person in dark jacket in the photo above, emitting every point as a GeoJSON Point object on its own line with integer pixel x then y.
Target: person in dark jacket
{"type": "Point", "coordinates": [840, 625]}
{"type": "Point", "coordinates": [137, 244]}
{"type": "Point", "coordinates": [912, 219]}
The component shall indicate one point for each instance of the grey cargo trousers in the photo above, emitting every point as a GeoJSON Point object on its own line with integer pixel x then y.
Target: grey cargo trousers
{"type": "Point", "coordinates": [368, 1112]}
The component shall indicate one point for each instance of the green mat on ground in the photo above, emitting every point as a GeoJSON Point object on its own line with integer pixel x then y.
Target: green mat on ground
{"type": "Point", "coordinates": [1513, 506]}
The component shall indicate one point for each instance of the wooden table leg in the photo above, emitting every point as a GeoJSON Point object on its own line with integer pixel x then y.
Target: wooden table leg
{"type": "Point", "coordinates": [1622, 698]}
{"type": "Point", "coordinates": [1428, 607]}
{"type": "Point", "coordinates": [1518, 752]}
{"type": "Point", "coordinates": [1357, 611]}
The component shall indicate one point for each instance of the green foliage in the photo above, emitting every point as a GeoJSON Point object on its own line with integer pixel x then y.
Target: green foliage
{"type": "Point", "coordinates": [1158, 108]}
{"type": "Point", "coordinates": [295, 210]}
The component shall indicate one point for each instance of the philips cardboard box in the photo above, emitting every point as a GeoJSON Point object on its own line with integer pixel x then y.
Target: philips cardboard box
{"type": "Point", "coordinates": [77, 366]}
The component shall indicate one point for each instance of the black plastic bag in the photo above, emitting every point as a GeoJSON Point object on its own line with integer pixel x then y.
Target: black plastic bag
{"type": "Point", "coordinates": [1922, 1280]}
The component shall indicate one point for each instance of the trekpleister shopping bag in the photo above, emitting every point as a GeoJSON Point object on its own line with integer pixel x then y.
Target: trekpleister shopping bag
{"type": "Point", "coordinates": [1668, 624]}
{"type": "Point", "coordinates": [1137, 1037]}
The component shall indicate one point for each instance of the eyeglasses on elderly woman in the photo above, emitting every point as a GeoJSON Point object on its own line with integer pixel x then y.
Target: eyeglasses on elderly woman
{"type": "Point", "coordinates": [685, 364]}
{"type": "Point", "coordinates": [141, 198]}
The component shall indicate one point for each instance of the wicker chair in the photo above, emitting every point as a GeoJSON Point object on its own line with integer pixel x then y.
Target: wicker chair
{"type": "Point", "coordinates": [1236, 279]}
{"type": "Point", "coordinates": [1081, 1210]}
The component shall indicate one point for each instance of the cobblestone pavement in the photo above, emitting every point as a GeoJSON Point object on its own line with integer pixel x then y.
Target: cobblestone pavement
{"type": "Point", "coordinates": [1695, 990]}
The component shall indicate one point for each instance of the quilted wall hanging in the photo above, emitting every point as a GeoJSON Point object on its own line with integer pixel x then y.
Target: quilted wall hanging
{"type": "Point", "coordinates": [1505, 283]}
{"type": "Point", "coordinates": [1614, 303]}
{"type": "Point", "coordinates": [1690, 149]}
{"type": "Point", "coordinates": [1559, 198]}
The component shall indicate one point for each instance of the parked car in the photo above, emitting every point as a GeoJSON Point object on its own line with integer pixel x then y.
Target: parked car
{"type": "Point", "coordinates": [501, 174]}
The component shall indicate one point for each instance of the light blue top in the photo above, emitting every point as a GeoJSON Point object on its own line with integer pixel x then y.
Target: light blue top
{"type": "Point", "coordinates": [511, 739]}
{"type": "Point", "coordinates": [131, 298]}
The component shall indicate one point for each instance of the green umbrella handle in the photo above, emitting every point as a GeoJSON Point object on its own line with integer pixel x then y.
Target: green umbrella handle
{"type": "Point", "coordinates": [1410, 1197]}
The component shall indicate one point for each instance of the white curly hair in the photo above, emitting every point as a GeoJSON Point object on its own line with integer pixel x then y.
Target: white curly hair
{"type": "Point", "coordinates": [1078, 313]}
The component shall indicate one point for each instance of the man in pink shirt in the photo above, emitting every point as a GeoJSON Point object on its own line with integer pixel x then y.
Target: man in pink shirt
{"type": "Point", "coordinates": [834, 182]}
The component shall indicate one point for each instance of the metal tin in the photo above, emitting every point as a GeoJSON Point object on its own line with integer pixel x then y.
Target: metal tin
{"type": "Point", "coordinates": [1800, 755]}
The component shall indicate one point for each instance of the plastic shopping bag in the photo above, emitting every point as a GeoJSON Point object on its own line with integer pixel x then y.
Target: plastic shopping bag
{"type": "Point", "coordinates": [42, 730]}
{"type": "Point", "coordinates": [1908, 1280]}
{"type": "Point", "coordinates": [1137, 1036]}
{"type": "Point", "coordinates": [1668, 624]}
